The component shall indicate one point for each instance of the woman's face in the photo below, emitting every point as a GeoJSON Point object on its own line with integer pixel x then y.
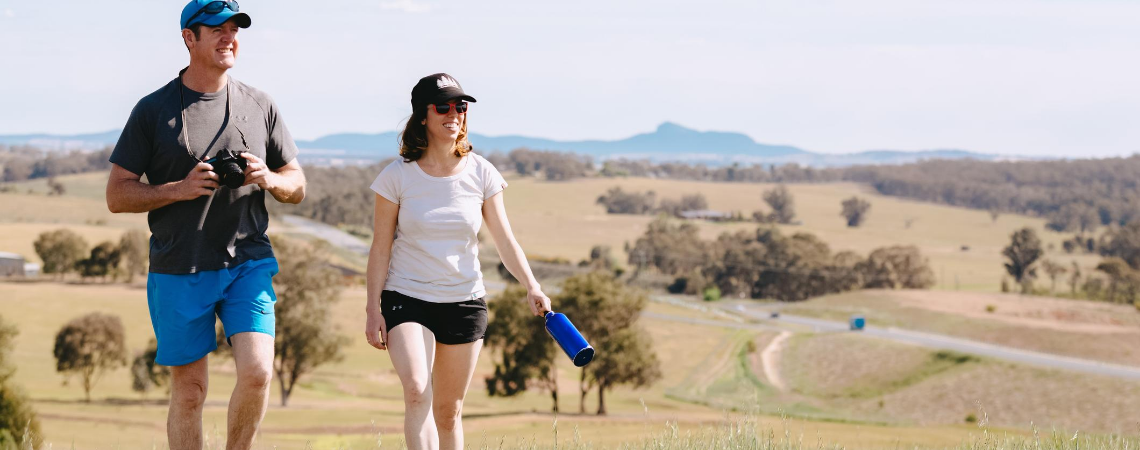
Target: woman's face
{"type": "Point", "coordinates": [444, 127]}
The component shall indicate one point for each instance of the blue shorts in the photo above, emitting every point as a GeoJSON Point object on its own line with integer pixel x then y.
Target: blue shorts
{"type": "Point", "coordinates": [182, 308]}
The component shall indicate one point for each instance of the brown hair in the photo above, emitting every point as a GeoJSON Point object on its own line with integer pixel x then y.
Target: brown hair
{"type": "Point", "coordinates": [413, 140]}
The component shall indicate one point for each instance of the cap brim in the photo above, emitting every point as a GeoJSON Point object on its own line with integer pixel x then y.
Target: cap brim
{"type": "Point", "coordinates": [212, 20]}
{"type": "Point", "coordinates": [445, 97]}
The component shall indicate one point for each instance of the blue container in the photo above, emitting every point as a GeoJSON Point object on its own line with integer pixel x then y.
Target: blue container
{"type": "Point", "coordinates": [569, 338]}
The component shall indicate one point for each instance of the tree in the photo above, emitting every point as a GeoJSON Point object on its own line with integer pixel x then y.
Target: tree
{"type": "Point", "coordinates": [601, 258]}
{"type": "Point", "coordinates": [102, 262]}
{"type": "Point", "coordinates": [59, 250]}
{"type": "Point", "coordinates": [145, 373]}
{"type": "Point", "coordinates": [1023, 252]}
{"type": "Point", "coordinates": [625, 357]}
{"type": "Point", "coordinates": [1053, 270]}
{"type": "Point", "coordinates": [1074, 278]}
{"type": "Point", "coordinates": [134, 251]}
{"type": "Point", "coordinates": [307, 287]}
{"type": "Point", "coordinates": [525, 351]}
{"type": "Point", "coordinates": [896, 267]}
{"type": "Point", "coordinates": [618, 201]}
{"type": "Point", "coordinates": [855, 210]}
{"type": "Point", "coordinates": [1123, 280]}
{"type": "Point", "coordinates": [694, 202]}
{"type": "Point", "coordinates": [782, 203]}
{"type": "Point", "coordinates": [1124, 243]}
{"type": "Point", "coordinates": [1074, 216]}
{"type": "Point", "coordinates": [55, 188]}
{"type": "Point", "coordinates": [88, 347]}
{"type": "Point", "coordinates": [670, 247]}
{"type": "Point", "coordinates": [600, 306]}
{"type": "Point", "coordinates": [16, 413]}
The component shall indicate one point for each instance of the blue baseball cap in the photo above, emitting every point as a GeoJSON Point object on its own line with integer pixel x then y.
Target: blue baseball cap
{"type": "Point", "coordinates": [196, 12]}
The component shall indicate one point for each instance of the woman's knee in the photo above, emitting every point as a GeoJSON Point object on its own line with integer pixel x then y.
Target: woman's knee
{"type": "Point", "coordinates": [448, 414]}
{"type": "Point", "coordinates": [417, 394]}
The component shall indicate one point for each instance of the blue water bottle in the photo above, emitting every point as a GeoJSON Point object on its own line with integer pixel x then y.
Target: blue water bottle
{"type": "Point", "coordinates": [569, 338]}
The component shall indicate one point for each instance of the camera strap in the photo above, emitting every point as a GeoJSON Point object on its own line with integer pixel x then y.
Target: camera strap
{"type": "Point", "coordinates": [186, 125]}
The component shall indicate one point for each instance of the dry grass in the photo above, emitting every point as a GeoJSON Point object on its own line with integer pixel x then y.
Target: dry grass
{"type": "Point", "coordinates": [878, 379]}
{"type": "Point", "coordinates": [569, 226]}
{"type": "Point", "coordinates": [1077, 328]}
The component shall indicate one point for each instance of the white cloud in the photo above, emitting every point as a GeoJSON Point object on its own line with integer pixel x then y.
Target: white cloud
{"type": "Point", "coordinates": [408, 6]}
{"type": "Point", "coordinates": [9, 13]}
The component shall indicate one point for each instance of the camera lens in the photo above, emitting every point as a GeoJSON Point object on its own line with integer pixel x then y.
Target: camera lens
{"type": "Point", "coordinates": [231, 175]}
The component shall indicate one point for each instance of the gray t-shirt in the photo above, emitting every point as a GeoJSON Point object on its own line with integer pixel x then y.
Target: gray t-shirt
{"type": "Point", "coordinates": [152, 143]}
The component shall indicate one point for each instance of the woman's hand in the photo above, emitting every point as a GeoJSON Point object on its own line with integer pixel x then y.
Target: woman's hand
{"type": "Point", "coordinates": [539, 302]}
{"type": "Point", "coordinates": [375, 330]}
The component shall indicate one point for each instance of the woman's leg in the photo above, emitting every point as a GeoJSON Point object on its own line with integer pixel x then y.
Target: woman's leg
{"type": "Point", "coordinates": [454, 366]}
{"type": "Point", "coordinates": [411, 347]}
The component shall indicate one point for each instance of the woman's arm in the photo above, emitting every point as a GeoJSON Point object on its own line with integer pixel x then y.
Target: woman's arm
{"type": "Point", "coordinates": [495, 214]}
{"type": "Point", "coordinates": [383, 233]}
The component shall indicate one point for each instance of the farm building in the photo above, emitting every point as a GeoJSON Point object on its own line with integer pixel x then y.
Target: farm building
{"type": "Point", "coordinates": [11, 265]}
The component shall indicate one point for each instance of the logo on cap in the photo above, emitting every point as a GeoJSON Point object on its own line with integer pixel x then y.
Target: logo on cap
{"type": "Point", "coordinates": [445, 82]}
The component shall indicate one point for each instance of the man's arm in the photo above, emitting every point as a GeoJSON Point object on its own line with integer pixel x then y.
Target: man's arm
{"type": "Point", "coordinates": [126, 194]}
{"type": "Point", "coordinates": [286, 184]}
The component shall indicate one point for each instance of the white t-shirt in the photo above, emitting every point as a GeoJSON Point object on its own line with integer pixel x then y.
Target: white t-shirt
{"type": "Point", "coordinates": [435, 256]}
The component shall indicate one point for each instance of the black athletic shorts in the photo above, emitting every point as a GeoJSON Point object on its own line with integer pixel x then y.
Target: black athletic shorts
{"type": "Point", "coordinates": [452, 323]}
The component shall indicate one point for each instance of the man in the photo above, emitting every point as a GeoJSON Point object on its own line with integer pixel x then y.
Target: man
{"type": "Point", "coordinates": [209, 253]}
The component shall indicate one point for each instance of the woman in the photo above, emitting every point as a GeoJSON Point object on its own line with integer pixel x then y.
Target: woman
{"type": "Point", "coordinates": [425, 288]}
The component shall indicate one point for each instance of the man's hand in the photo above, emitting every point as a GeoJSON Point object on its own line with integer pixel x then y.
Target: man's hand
{"type": "Point", "coordinates": [200, 181]}
{"type": "Point", "coordinates": [256, 172]}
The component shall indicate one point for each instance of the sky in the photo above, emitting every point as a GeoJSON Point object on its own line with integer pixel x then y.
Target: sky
{"type": "Point", "coordinates": [1054, 78]}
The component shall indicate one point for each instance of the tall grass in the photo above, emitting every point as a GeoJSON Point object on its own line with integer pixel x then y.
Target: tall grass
{"type": "Point", "coordinates": [744, 433]}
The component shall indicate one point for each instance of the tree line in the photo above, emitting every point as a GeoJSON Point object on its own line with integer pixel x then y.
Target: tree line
{"type": "Point", "coordinates": [768, 264]}
{"type": "Point", "coordinates": [1074, 195]}
{"type": "Point", "coordinates": [21, 162]}
{"type": "Point", "coordinates": [63, 251]}
{"type": "Point", "coordinates": [1116, 278]}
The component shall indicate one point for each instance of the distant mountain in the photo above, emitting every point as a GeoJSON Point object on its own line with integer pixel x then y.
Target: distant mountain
{"type": "Point", "coordinates": [669, 142]}
{"type": "Point", "coordinates": [63, 142]}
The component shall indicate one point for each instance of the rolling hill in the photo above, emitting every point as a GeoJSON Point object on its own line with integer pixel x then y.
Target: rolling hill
{"type": "Point", "coordinates": [668, 142]}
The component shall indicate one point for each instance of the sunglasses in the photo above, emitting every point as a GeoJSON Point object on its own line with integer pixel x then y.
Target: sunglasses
{"type": "Point", "coordinates": [460, 108]}
{"type": "Point", "coordinates": [214, 8]}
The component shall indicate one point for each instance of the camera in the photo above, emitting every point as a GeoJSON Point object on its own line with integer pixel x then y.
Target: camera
{"type": "Point", "coordinates": [230, 167]}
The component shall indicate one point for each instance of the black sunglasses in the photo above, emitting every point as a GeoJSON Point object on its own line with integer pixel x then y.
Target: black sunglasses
{"type": "Point", "coordinates": [213, 8]}
{"type": "Point", "coordinates": [444, 108]}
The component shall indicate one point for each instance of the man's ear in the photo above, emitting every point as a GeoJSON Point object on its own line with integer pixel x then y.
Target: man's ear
{"type": "Point", "coordinates": [188, 38]}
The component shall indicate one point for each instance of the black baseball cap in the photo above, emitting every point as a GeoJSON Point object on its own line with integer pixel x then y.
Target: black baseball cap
{"type": "Point", "coordinates": [437, 89]}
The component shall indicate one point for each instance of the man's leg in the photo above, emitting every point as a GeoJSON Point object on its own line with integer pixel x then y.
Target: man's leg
{"type": "Point", "coordinates": [187, 395]}
{"type": "Point", "coordinates": [411, 346]}
{"type": "Point", "coordinates": [253, 353]}
{"type": "Point", "coordinates": [454, 366]}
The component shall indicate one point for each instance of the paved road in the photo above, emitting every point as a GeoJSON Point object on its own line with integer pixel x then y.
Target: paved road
{"type": "Point", "coordinates": [954, 344]}
{"type": "Point", "coordinates": [352, 243]}
{"type": "Point", "coordinates": [327, 232]}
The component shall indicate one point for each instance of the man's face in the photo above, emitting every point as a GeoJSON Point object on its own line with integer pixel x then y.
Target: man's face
{"type": "Point", "coordinates": [215, 46]}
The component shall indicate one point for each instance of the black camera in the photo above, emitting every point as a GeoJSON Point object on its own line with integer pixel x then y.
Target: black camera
{"type": "Point", "coordinates": [230, 167]}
